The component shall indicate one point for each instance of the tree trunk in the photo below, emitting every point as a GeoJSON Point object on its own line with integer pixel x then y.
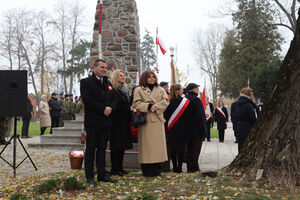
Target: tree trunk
{"type": "Point", "coordinates": [274, 142]}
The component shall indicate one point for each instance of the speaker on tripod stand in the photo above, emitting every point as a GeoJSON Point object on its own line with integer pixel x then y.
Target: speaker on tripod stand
{"type": "Point", "coordinates": [14, 103]}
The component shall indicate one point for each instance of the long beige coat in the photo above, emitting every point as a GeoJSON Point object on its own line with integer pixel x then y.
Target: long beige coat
{"type": "Point", "coordinates": [151, 139]}
{"type": "Point", "coordinates": [45, 119]}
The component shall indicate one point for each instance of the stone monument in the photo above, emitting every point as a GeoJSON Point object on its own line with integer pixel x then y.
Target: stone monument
{"type": "Point", "coordinates": [120, 37]}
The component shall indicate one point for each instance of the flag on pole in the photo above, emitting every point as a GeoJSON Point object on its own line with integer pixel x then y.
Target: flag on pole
{"type": "Point", "coordinates": [203, 99]}
{"type": "Point", "coordinates": [206, 106]}
{"type": "Point", "coordinates": [100, 28]}
{"type": "Point", "coordinates": [161, 44]}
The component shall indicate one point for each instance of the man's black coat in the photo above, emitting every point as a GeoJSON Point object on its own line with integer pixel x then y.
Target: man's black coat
{"type": "Point", "coordinates": [55, 107]}
{"type": "Point", "coordinates": [96, 96]}
{"type": "Point", "coordinates": [197, 119]}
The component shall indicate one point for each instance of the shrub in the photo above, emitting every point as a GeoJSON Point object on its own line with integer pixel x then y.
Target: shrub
{"type": "Point", "coordinates": [72, 183]}
{"type": "Point", "coordinates": [48, 185]}
{"type": "Point", "coordinates": [18, 196]}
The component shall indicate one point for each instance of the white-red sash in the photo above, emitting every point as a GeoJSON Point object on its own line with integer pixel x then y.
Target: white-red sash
{"type": "Point", "coordinates": [178, 112]}
{"type": "Point", "coordinates": [221, 112]}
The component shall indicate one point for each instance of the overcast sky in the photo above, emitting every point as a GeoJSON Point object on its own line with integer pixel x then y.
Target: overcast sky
{"type": "Point", "coordinates": [176, 20]}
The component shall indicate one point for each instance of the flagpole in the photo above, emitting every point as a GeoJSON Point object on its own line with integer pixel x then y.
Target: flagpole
{"type": "Point", "coordinates": [156, 51]}
{"type": "Point", "coordinates": [100, 29]}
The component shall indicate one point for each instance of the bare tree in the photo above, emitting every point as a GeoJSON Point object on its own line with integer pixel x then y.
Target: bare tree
{"type": "Point", "coordinates": [286, 14]}
{"type": "Point", "coordinates": [207, 48]}
{"type": "Point", "coordinates": [284, 11]}
{"type": "Point", "coordinates": [76, 16]}
{"type": "Point", "coordinates": [6, 39]}
{"type": "Point", "coordinates": [24, 43]}
{"type": "Point", "coordinates": [61, 24]}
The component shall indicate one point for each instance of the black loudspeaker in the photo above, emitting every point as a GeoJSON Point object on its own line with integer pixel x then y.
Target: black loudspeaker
{"type": "Point", "coordinates": [13, 93]}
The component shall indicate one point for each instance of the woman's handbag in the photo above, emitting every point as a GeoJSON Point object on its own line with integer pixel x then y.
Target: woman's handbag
{"type": "Point", "coordinates": [138, 118]}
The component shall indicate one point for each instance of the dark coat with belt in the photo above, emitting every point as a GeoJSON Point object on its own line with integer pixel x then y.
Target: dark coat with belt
{"type": "Point", "coordinates": [177, 135]}
{"type": "Point", "coordinates": [196, 117]}
{"type": "Point", "coordinates": [55, 107]}
{"type": "Point", "coordinates": [121, 138]}
{"type": "Point", "coordinates": [96, 96]}
{"type": "Point", "coordinates": [243, 115]}
{"type": "Point", "coordinates": [220, 119]}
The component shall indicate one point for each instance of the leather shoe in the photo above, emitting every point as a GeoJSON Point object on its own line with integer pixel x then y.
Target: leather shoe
{"type": "Point", "coordinates": [24, 136]}
{"type": "Point", "coordinates": [116, 173]}
{"type": "Point", "coordinates": [91, 182]}
{"type": "Point", "coordinates": [124, 172]}
{"type": "Point", "coordinates": [107, 179]}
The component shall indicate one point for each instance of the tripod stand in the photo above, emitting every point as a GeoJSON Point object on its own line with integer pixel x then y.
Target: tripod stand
{"type": "Point", "coordinates": [15, 137]}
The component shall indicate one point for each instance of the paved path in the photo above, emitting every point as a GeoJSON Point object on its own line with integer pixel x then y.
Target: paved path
{"type": "Point", "coordinates": [214, 155]}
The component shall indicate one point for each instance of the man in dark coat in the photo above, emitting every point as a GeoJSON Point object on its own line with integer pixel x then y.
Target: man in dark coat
{"type": "Point", "coordinates": [97, 95]}
{"type": "Point", "coordinates": [244, 114]}
{"type": "Point", "coordinates": [55, 109]}
{"type": "Point", "coordinates": [197, 127]}
{"type": "Point", "coordinates": [26, 120]}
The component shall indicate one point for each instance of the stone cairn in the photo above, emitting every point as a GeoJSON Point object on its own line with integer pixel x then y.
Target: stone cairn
{"type": "Point", "coordinates": [120, 37]}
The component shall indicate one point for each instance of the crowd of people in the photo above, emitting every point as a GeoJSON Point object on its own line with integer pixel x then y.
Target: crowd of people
{"type": "Point", "coordinates": [174, 129]}
{"type": "Point", "coordinates": [176, 123]}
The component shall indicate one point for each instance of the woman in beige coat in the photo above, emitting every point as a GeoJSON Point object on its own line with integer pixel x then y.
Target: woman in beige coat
{"type": "Point", "coordinates": [45, 119]}
{"type": "Point", "coordinates": [152, 100]}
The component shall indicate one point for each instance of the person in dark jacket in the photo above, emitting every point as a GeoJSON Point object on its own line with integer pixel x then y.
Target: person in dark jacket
{"type": "Point", "coordinates": [120, 139]}
{"type": "Point", "coordinates": [210, 119]}
{"type": "Point", "coordinates": [97, 95]}
{"type": "Point", "coordinates": [55, 109]}
{"type": "Point", "coordinates": [177, 129]}
{"type": "Point", "coordinates": [197, 127]}
{"type": "Point", "coordinates": [232, 119]}
{"type": "Point", "coordinates": [221, 117]}
{"type": "Point", "coordinates": [26, 120]}
{"type": "Point", "coordinates": [244, 114]}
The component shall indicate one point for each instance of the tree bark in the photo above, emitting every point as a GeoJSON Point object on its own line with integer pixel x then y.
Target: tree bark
{"type": "Point", "coordinates": [274, 142]}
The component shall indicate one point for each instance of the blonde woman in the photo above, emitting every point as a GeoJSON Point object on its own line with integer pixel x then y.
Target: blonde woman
{"type": "Point", "coordinates": [45, 119]}
{"type": "Point", "coordinates": [120, 134]}
{"type": "Point", "coordinates": [152, 100]}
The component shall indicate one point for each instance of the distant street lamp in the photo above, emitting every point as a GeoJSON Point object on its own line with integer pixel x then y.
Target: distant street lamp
{"type": "Point", "coordinates": [173, 80]}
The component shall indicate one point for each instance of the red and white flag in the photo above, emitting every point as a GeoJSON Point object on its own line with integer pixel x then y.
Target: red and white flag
{"type": "Point", "coordinates": [206, 106]}
{"type": "Point", "coordinates": [161, 44]}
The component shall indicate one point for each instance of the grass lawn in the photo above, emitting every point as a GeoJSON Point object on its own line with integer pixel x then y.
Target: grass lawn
{"type": "Point", "coordinates": [34, 129]}
{"type": "Point", "coordinates": [214, 133]}
{"type": "Point", "coordinates": [72, 185]}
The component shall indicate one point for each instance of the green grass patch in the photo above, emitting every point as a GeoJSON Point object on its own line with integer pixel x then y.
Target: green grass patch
{"type": "Point", "coordinates": [18, 196]}
{"type": "Point", "coordinates": [214, 133]}
{"type": "Point", "coordinates": [48, 185]}
{"type": "Point", "coordinates": [144, 196]}
{"type": "Point", "coordinates": [71, 183]}
{"type": "Point", "coordinates": [34, 129]}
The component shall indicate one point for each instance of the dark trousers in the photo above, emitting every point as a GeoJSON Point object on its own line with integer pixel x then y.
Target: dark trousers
{"type": "Point", "coordinates": [116, 157]}
{"type": "Point", "coordinates": [54, 122]}
{"type": "Point", "coordinates": [43, 129]}
{"type": "Point", "coordinates": [96, 141]}
{"type": "Point", "coordinates": [221, 135]}
{"type": "Point", "coordinates": [25, 126]}
{"type": "Point", "coordinates": [151, 169]}
{"type": "Point", "coordinates": [208, 124]}
{"type": "Point", "coordinates": [177, 159]}
{"type": "Point", "coordinates": [193, 152]}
